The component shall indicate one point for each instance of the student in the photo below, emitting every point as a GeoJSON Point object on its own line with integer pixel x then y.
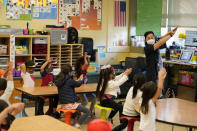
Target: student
{"type": "Point", "coordinates": [81, 68]}
{"type": "Point", "coordinates": [27, 71]}
{"type": "Point", "coordinates": [8, 113]}
{"type": "Point", "coordinates": [132, 99]}
{"type": "Point", "coordinates": [7, 84]}
{"type": "Point", "coordinates": [149, 97]}
{"type": "Point", "coordinates": [108, 87]}
{"type": "Point", "coordinates": [47, 80]}
{"type": "Point", "coordinates": [153, 58]}
{"type": "Point", "coordinates": [66, 91]}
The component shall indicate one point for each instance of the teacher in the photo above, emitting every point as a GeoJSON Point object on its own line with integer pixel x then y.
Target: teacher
{"type": "Point", "coordinates": [153, 58]}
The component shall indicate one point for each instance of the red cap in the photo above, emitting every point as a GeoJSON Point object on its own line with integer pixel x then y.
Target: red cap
{"type": "Point", "coordinates": [99, 125]}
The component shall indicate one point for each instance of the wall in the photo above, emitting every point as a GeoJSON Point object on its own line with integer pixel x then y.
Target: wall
{"type": "Point", "coordinates": [105, 37]}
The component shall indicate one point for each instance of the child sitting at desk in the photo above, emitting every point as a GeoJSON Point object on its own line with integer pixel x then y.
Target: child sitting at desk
{"type": "Point", "coordinates": [67, 96]}
{"type": "Point", "coordinates": [132, 99]}
{"type": "Point", "coordinates": [47, 80]}
{"type": "Point", "coordinates": [8, 113]}
{"type": "Point", "coordinates": [27, 71]}
{"type": "Point", "coordinates": [81, 68]}
{"type": "Point", "coordinates": [7, 86]}
{"type": "Point", "coordinates": [108, 87]}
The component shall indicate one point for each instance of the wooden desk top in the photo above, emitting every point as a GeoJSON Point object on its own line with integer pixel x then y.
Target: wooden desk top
{"type": "Point", "coordinates": [40, 123]}
{"type": "Point", "coordinates": [177, 112]}
{"type": "Point", "coordinates": [50, 91]}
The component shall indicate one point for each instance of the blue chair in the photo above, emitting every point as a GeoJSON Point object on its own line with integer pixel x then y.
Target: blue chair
{"type": "Point", "coordinates": [23, 113]}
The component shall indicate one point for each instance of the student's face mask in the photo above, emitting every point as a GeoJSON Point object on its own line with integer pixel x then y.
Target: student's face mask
{"type": "Point", "coordinates": [151, 42]}
{"type": "Point", "coordinates": [31, 72]}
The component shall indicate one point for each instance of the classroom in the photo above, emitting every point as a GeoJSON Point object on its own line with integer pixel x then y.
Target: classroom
{"type": "Point", "coordinates": [98, 65]}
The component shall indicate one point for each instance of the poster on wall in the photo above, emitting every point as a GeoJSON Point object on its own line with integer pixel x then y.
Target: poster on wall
{"type": "Point", "coordinates": [31, 9]}
{"type": "Point", "coordinates": [45, 12]}
{"type": "Point", "coordinates": [12, 49]}
{"type": "Point", "coordinates": [14, 12]}
{"type": "Point", "coordinates": [81, 14]}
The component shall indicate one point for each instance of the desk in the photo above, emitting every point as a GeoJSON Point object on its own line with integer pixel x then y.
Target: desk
{"type": "Point", "coordinates": [177, 112]}
{"type": "Point", "coordinates": [51, 91]}
{"type": "Point", "coordinates": [40, 123]}
{"type": "Point", "coordinates": [179, 66]}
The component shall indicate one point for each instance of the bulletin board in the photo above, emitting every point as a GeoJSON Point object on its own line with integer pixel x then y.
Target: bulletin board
{"type": "Point", "coordinates": [14, 12]}
{"type": "Point", "coordinates": [30, 9]}
{"type": "Point", "coordinates": [81, 14]}
{"type": "Point", "coordinates": [149, 16]}
{"type": "Point", "coordinates": [45, 12]}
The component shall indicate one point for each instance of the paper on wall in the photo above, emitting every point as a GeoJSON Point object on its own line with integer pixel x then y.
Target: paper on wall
{"type": "Point", "coordinates": [12, 49]}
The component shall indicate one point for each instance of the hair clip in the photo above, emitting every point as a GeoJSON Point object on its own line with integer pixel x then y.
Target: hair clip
{"type": "Point", "coordinates": [105, 67]}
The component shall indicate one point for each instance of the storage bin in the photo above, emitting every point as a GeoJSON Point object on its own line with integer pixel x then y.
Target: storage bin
{"type": "Point", "coordinates": [3, 49]}
{"type": "Point", "coordinates": [59, 36]}
{"type": "Point", "coordinates": [3, 61]}
{"type": "Point", "coordinates": [39, 48]}
{"type": "Point", "coordinates": [40, 41]}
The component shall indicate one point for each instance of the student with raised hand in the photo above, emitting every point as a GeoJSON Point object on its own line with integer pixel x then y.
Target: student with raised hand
{"type": "Point", "coordinates": [147, 110]}
{"type": "Point", "coordinates": [8, 113]}
{"type": "Point", "coordinates": [27, 71]}
{"type": "Point", "coordinates": [7, 84]}
{"type": "Point", "coordinates": [81, 68]}
{"type": "Point", "coordinates": [151, 49]}
{"type": "Point", "coordinates": [47, 80]}
{"type": "Point", "coordinates": [108, 88]}
{"type": "Point", "coordinates": [67, 95]}
{"type": "Point", "coordinates": [133, 96]}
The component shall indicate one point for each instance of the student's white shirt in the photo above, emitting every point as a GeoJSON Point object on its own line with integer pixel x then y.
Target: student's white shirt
{"type": "Point", "coordinates": [8, 92]}
{"type": "Point", "coordinates": [113, 85]}
{"type": "Point", "coordinates": [130, 103]}
{"type": "Point", "coordinates": [147, 121]}
{"type": "Point", "coordinates": [27, 79]}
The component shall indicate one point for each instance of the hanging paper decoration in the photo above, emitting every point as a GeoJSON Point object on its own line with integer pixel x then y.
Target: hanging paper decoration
{"type": "Point", "coordinates": [54, 1]}
{"type": "Point", "coordinates": [26, 3]}
{"type": "Point", "coordinates": [39, 2]}
{"type": "Point", "coordinates": [44, 2]}
{"type": "Point", "coordinates": [32, 2]}
{"type": "Point", "coordinates": [20, 2]}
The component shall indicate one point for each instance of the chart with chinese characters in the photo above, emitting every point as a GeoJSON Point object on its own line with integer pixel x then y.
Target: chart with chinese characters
{"type": "Point", "coordinates": [81, 14]}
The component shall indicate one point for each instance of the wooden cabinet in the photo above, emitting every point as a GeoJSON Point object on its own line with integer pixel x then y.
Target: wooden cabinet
{"type": "Point", "coordinates": [66, 54]}
{"type": "Point", "coordinates": [28, 47]}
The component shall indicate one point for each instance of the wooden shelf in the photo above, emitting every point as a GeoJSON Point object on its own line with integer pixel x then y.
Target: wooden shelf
{"type": "Point", "coordinates": [23, 55]}
{"type": "Point", "coordinates": [4, 36]}
{"type": "Point", "coordinates": [66, 53]}
{"type": "Point", "coordinates": [32, 36]}
{"type": "Point", "coordinates": [39, 54]}
{"type": "Point", "coordinates": [4, 55]}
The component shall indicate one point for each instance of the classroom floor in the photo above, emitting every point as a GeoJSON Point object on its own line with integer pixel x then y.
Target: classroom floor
{"type": "Point", "coordinates": [160, 126]}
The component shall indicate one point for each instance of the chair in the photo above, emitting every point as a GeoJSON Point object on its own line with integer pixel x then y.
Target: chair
{"type": "Point", "coordinates": [23, 113]}
{"type": "Point", "coordinates": [103, 111]}
{"type": "Point", "coordinates": [68, 114]}
{"type": "Point", "coordinates": [131, 121]}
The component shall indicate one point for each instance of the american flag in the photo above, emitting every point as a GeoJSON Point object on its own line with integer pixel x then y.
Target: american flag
{"type": "Point", "coordinates": [120, 13]}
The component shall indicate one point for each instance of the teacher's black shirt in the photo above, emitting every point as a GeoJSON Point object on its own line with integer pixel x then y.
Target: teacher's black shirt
{"type": "Point", "coordinates": [152, 60]}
